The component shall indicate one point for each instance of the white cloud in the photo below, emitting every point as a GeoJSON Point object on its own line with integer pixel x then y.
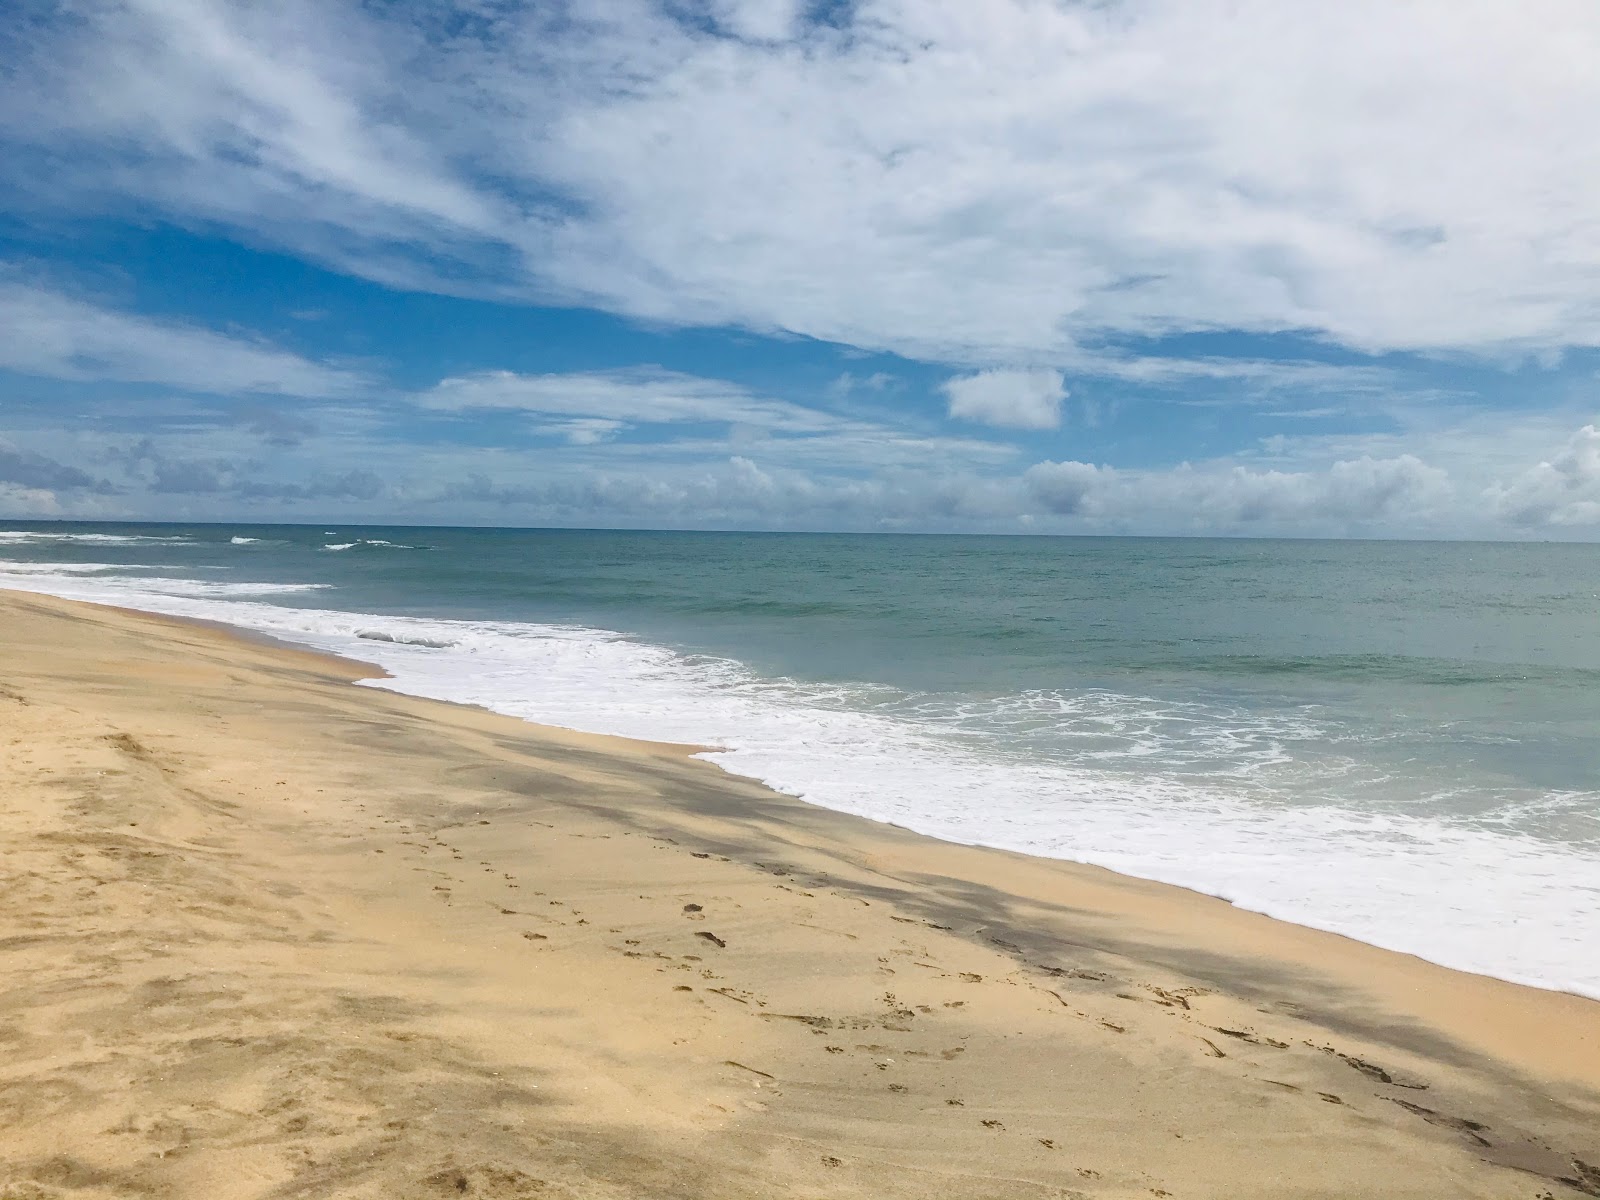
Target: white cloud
{"type": "Point", "coordinates": [584, 431]}
{"type": "Point", "coordinates": [866, 478]}
{"type": "Point", "coordinates": [1066, 487]}
{"type": "Point", "coordinates": [634, 395]}
{"type": "Point", "coordinates": [978, 183]}
{"type": "Point", "coordinates": [758, 20]}
{"type": "Point", "coordinates": [849, 384]}
{"type": "Point", "coordinates": [1009, 398]}
{"type": "Point", "coordinates": [1221, 498]}
{"type": "Point", "coordinates": [47, 333]}
{"type": "Point", "coordinates": [17, 501]}
{"type": "Point", "coordinates": [1564, 490]}
{"type": "Point", "coordinates": [739, 492]}
{"type": "Point", "coordinates": [262, 117]}
{"type": "Point", "coordinates": [588, 408]}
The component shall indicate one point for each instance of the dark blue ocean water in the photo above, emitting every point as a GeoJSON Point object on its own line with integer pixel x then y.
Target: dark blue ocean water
{"type": "Point", "coordinates": [1395, 740]}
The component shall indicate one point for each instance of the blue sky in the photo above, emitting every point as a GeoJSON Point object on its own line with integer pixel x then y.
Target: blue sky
{"type": "Point", "coordinates": [1217, 266]}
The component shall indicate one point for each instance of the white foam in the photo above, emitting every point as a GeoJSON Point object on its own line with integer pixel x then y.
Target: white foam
{"type": "Point", "coordinates": [72, 580]}
{"type": "Point", "coordinates": [221, 591]}
{"type": "Point", "coordinates": [45, 570]}
{"type": "Point", "coordinates": [360, 542]}
{"type": "Point", "coordinates": [243, 541]}
{"type": "Point", "coordinates": [1492, 902]}
{"type": "Point", "coordinates": [16, 537]}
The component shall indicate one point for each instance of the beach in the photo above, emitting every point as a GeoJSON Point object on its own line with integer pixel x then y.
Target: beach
{"type": "Point", "coordinates": [269, 934]}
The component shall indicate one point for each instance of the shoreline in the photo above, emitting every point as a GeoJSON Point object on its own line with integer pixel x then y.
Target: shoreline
{"type": "Point", "coordinates": [1064, 998]}
{"type": "Point", "coordinates": [1458, 954]}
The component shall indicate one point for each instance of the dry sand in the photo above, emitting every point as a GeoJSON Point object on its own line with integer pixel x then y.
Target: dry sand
{"type": "Point", "coordinates": [265, 934]}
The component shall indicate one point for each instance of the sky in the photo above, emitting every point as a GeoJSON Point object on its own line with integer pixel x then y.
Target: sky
{"type": "Point", "coordinates": [1019, 266]}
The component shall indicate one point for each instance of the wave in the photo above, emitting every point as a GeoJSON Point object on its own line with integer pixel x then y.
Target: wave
{"type": "Point", "coordinates": [243, 541]}
{"type": "Point", "coordinates": [97, 581]}
{"type": "Point", "coordinates": [375, 543]}
{"type": "Point", "coordinates": [205, 588]}
{"type": "Point", "coordinates": [1494, 901]}
{"type": "Point", "coordinates": [401, 639]}
{"type": "Point", "coordinates": [1395, 668]}
{"type": "Point", "coordinates": [28, 536]}
{"type": "Point", "coordinates": [64, 569]}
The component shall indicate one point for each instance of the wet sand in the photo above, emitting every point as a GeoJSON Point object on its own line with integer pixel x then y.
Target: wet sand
{"type": "Point", "coordinates": [267, 934]}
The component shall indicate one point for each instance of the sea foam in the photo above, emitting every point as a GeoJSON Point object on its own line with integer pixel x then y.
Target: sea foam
{"type": "Point", "coordinates": [23, 537]}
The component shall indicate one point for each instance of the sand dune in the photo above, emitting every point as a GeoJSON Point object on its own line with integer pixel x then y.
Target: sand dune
{"type": "Point", "coordinates": [266, 934]}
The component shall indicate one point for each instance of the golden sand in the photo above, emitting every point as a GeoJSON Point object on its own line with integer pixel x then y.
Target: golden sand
{"type": "Point", "coordinates": [266, 934]}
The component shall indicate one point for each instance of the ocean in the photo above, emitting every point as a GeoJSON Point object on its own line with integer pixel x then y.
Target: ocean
{"type": "Point", "coordinates": [1395, 741]}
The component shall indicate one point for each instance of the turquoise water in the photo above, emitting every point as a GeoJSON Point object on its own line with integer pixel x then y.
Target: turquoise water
{"type": "Point", "coordinates": [1393, 740]}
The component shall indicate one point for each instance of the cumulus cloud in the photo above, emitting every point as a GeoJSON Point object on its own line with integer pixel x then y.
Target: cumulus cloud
{"type": "Point", "coordinates": [30, 470]}
{"type": "Point", "coordinates": [18, 501]}
{"type": "Point", "coordinates": [50, 334]}
{"type": "Point", "coordinates": [1011, 399]}
{"type": "Point", "coordinates": [1223, 498]}
{"type": "Point", "coordinates": [39, 485]}
{"type": "Point", "coordinates": [972, 183]}
{"type": "Point", "coordinates": [1432, 482]}
{"type": "Point", "coordinates": [341, 485]}
{"type": "Point", "coordinates": [737, 492]}
{"type": "Point", "coordinates": [1065, 487]}
{"type": "Point", "coordinates": [1564, 490]}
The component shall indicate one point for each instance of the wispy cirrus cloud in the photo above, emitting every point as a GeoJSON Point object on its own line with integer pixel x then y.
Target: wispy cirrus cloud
{"type": "Point", "coordinates": [50, 334]}
{"type": "Point", "coordinates": [980, 184]}
{"type": "Point", "coordinates": [635, 395]}
{"type": "Point", "coordinates": [591, 408]}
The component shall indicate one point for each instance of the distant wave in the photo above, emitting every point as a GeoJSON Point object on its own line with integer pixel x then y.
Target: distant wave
{"type": "Point", "coordinates": [375, 543]}
{"type": "Point", "coordinates": [1395, 668]}
{"type": "Point", "coordinates": [215, 590]}
{"type": "Point", "coordinates": [25, 536]}
{"type": "Point", "coordinates": [243, 541]}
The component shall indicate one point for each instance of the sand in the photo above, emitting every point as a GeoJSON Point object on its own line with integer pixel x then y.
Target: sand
{"type": "Point", "coordinates": [267, 934]}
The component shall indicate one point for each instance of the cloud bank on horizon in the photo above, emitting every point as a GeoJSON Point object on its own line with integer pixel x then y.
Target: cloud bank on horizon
{"type": "Point", "coordinates": [1137, 266]}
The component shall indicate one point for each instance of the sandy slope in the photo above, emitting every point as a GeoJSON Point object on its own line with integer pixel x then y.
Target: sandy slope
{"type": "Point", "coordinates": [263, 933]}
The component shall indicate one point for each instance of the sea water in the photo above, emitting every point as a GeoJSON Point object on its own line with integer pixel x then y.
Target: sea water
{"type": "Point", "coordinates": [1394, 741]}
